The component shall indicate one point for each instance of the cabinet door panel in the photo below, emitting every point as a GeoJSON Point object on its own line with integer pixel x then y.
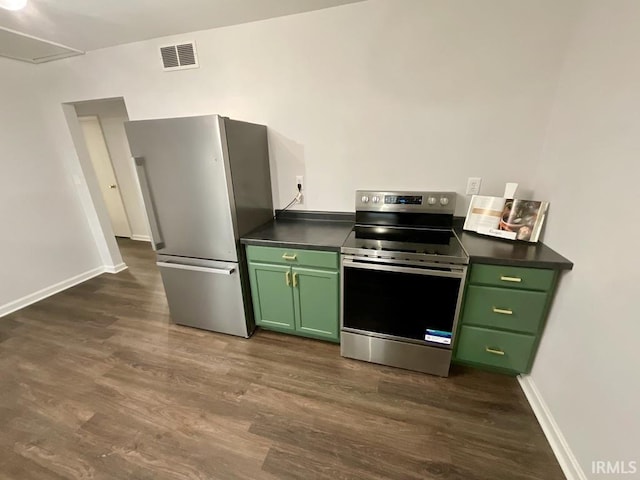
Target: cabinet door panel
{"type": "Point", "coordinates": [495, 348]}
{"type": "Point", "coordinates": [316, 294]}
{"type": "Point", "coordinates": [293, 256]}
{"type": "Point", "coordinates": [512, 277]}
{"type": "Point", "coordinates": [272, 296]}
{"type": "Point", "coordinates": [519, 310]}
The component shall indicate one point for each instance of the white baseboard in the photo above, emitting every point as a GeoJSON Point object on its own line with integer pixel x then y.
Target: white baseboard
{"type": "Point", "coordinates": [141, 238]}
{"type": "Point", "coordinates": [558, 443]}
{"type": "Point", "coordinates": [115, 268]}
{"type": "Point", "coordinates": [27, 300]}
{"type": "Point", "coordinates": [47, 292]}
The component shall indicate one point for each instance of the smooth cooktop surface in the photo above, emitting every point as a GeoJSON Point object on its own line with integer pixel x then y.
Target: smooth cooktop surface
{"type": "Point", "coordinates": [404, 240]}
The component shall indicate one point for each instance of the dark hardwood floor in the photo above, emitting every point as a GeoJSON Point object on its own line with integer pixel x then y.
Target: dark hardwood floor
{"type": "Point", "coordinates": [96, 382]}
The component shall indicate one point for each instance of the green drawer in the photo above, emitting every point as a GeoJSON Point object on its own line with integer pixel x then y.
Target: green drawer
{"type": "Point", "coordinates": [512, 277]}
{"type": "Point", "coordinates": [519, 310]}
{"type": "Point", "coordinates": [292, 256]}
{"type": "Point", "coordinates": [506, 350]}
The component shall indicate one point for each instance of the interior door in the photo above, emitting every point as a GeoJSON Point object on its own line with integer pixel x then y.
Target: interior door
{"type": "Point", "coordinates": [182, 174]}
{"type": "Point", "coordinates": [101, 160]}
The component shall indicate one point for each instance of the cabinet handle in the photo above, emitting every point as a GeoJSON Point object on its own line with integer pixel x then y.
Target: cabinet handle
{"type": "Point", "coordinates": [503, 311]}
{"type": "Point", "coordinates": [295, 279]}
{"type": "Point", "coordinates": [494, 351]}
{"type": "Point", "coordinates": [287, 278]}
{"type": "Point", "coordinates": [504, 278]}
{"type": "Point", "coordinates": [289, 257]}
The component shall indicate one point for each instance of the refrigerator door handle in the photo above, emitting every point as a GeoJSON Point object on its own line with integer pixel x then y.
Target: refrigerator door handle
{"type": "Point", "coordinates": [156, 238]}
{"type": "Point", "coordinates": [180, 266]}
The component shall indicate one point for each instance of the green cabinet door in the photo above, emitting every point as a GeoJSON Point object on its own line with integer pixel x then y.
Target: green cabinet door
{"type": "Point", "coordinates": [316, 294]}
{"type": "Point", "coordinates": [272, 296]}
{"type": "Point", "coordinates": [502, 308]}
{"type": "Point", "coordinates": [505, 350]}
{"type": "Point", "coordinates": [512, 277]}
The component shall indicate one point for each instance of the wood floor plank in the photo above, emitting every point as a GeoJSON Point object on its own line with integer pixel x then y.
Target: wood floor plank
{"type": "Point", "coordinates": [353, 451]}
{"type": "Point", "coordinates": [289, 462]}
{"type": "Point", "coordinates": [97, 383]}
{"type": "Point", "coordinates": [13, 466]}
{"type": "Point", "coordinates": [380, 431]}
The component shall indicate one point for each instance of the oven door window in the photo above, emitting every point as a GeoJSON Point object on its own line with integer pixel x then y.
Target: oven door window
{"type": "Point", "coordinates": [404, 305]}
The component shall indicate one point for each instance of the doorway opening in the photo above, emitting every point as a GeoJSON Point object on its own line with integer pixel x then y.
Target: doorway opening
{"type": "Point", "coordinates": [102, 123]}
{"type": "Point", "coordinates": [106, 178]}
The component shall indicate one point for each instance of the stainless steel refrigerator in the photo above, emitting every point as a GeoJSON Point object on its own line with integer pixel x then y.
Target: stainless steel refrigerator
{"type": "Point", "coordinates": [205, 182]}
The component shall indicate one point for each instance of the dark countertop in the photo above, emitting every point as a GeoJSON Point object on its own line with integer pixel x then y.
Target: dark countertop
{"type": "Point", "coordinates": [496, 251]}
{"type": "Point", "coordinates": [303, 230]}
{"type": "Point", "coordinates": [327, 231]}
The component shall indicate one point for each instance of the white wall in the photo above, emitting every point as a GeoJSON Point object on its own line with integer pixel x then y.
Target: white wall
{"type": "Point", "coordinates": [112, 114]}
{"type": "Point", "coordinates": [44, 235]}
{"type": "Point", "coordinates": [411, 94]}
{"type": "Point", "coordinates": [587, 365]}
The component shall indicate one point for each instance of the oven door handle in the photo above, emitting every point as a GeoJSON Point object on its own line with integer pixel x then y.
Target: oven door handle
{"type": "Point", "coordinates": [347, 262]}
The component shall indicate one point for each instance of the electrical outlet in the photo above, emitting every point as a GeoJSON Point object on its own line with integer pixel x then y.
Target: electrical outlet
{"type": "Point", "coordinates": [473, 185]}
{"type": "Point", "coordinates": [300, 181]}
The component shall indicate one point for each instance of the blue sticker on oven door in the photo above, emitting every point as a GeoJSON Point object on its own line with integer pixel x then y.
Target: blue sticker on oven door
{"type": "Point", "coordinates": [438, 336]}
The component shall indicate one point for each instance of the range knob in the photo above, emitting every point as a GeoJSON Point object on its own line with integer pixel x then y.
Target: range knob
{"type": "Point", "coordinates": [365, 199]}
{"type": "Point", "coordinates": [376, 199]}
{"type": "Point", "coordinates": [432, 200]}
{"type": "Point", "coordinates": [444, 201]}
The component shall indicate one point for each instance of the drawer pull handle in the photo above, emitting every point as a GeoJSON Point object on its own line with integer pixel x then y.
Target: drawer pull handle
{"type": "Point", "coordinates": [295, 279]}
{"type": "Point", "coordinates": [503, 311]}
{"type": "Point", "coordinates": [494, 351]}
{"type": "Point", "coordinates": [504, 278]}
{"type": "Point", "coordinates": [287, 278]}
{"type": "Point", "coordinates": [286, 256]}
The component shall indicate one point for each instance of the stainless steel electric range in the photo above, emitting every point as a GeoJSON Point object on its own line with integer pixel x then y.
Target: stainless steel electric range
{"type": "Point", "coordinates": [403, 273]}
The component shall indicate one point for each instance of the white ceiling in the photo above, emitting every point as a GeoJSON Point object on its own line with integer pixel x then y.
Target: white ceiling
{"type": "Point", "coordinates": [92, 24]}
{"type": "Point", "coordinates": [22, 47]}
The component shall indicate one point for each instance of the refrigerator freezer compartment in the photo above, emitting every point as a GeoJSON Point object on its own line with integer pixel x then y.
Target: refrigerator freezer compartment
{"type": "Point", "coordinates": [204, 294]}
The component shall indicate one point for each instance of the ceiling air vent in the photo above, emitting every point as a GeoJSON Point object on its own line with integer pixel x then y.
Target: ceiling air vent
{"type": "Point", "coordinates": [179, 57]}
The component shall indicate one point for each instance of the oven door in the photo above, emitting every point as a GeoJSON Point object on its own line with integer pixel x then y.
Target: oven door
{"type": "Point", "coordinates": [412, 301]}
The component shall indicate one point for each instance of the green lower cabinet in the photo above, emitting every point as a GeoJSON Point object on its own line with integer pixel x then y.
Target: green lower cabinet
{"type": "Point", "coordinates": [505, 350]}
{"type": "Point", "coordinates": [518, 310]}
{"type": "Point", "coordinates": [504, 310]}
{"type": "Point", "coordinates": [301, 300]}
{"type": "Point", "coordinates": [272, 296]}
{"type": "Point", "coordinates": [316, 294]}
{"type": "Point", "coordinates": [541, 279]}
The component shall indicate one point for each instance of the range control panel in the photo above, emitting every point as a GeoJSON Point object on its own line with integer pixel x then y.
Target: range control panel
{"type": "Point", "coordinates": [436, 202]}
